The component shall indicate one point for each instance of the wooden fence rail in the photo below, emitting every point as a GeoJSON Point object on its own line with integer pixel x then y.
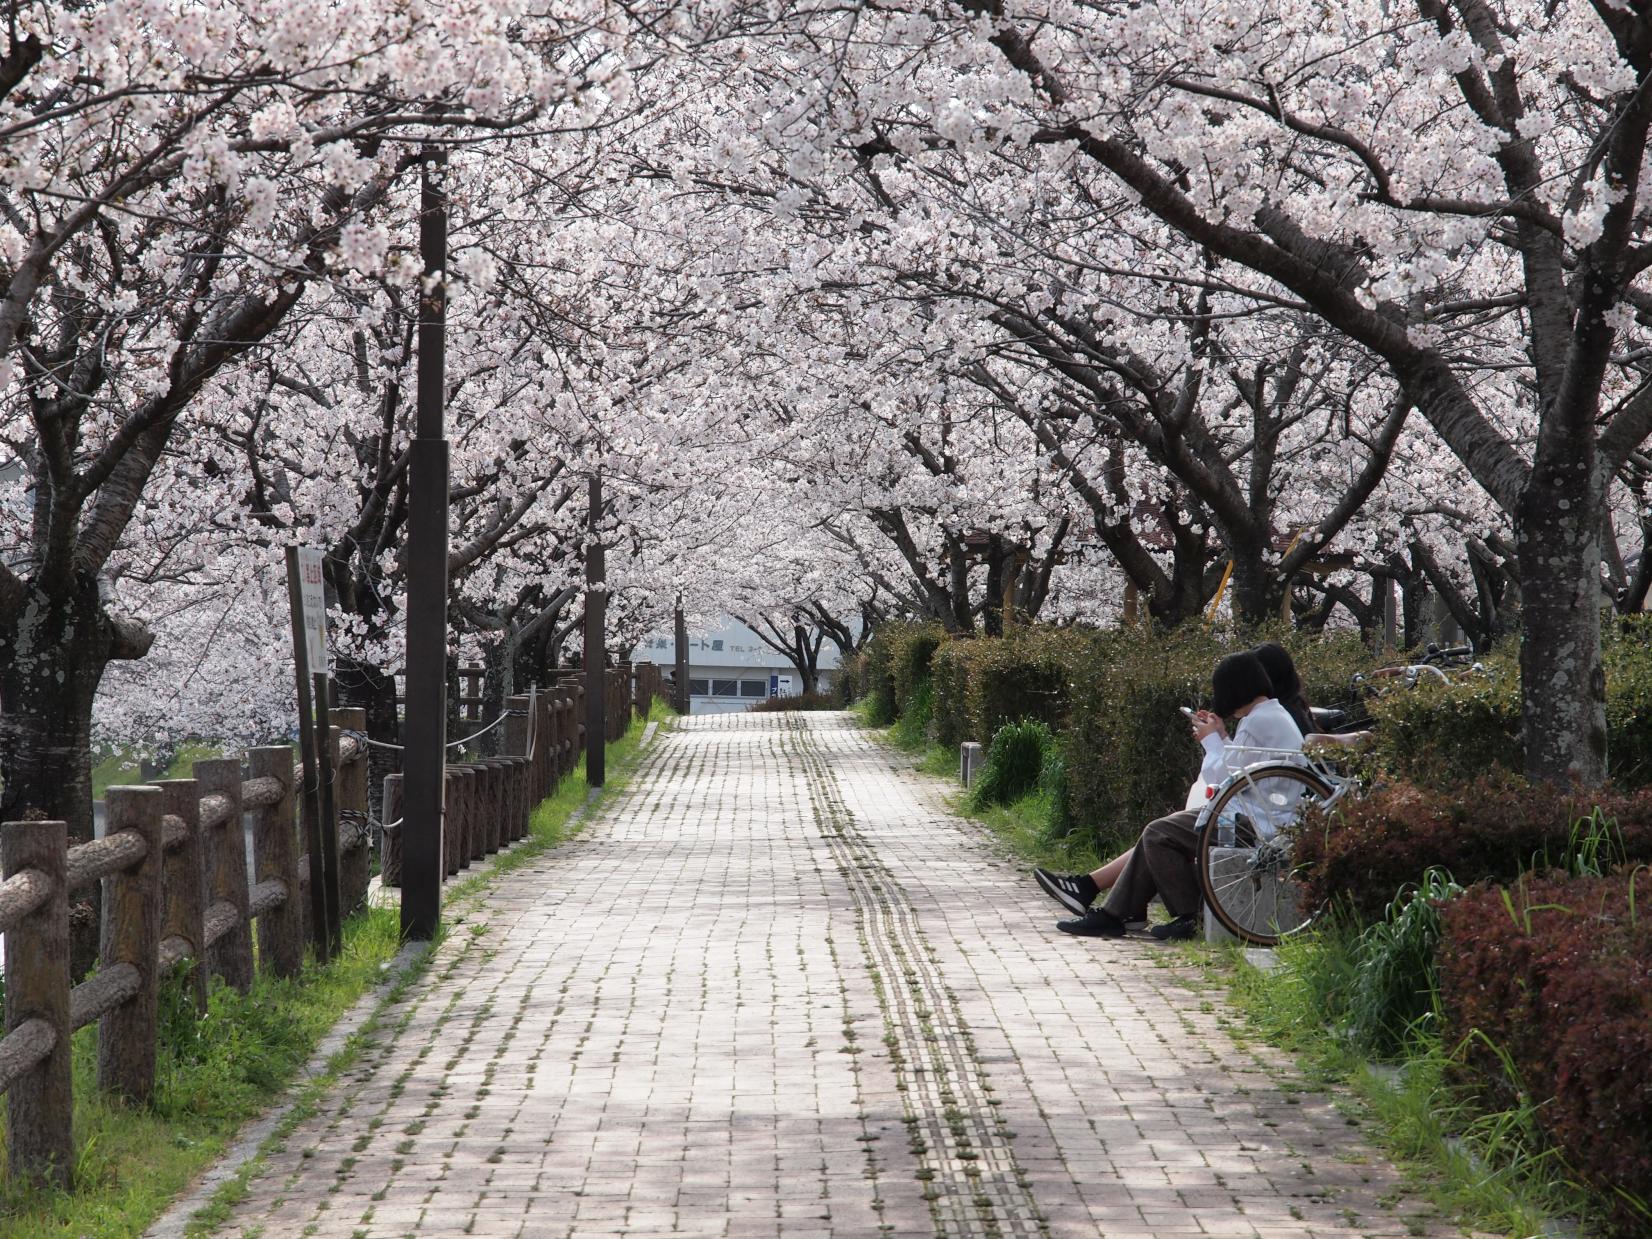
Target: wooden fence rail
{"type": "Point", "coordinates": [174, 865]}
{"type": "Point", "coordinates": [175, 869]}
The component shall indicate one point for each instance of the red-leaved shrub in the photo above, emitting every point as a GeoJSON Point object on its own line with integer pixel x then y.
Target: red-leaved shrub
{"type": "Point", "coordinates": [1365, 850]}
{"type": "Point", "coordinates": [1556, 973]}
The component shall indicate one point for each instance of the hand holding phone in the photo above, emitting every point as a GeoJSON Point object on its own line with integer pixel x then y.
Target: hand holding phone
{"type": "Point", "coordinates": [1186, 710]}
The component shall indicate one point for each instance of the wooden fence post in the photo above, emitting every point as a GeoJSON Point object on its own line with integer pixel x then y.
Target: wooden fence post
{"type": "Point", "coordinates": [488, 826]}
{"type": "Point", "coordinates": [40, 1103]}
{"type": "Point", "coordinates": [230, 956]}
{"type": "Point", "coordinates": [513, 797]}
{"type": "Point", "coordinates": [355, 833]}
{"type": "Point", "coordinates": [510, 801]}
{"type": "Point", "coordinates": [548, 766]}
{"type": "Point", "coordinates": [504, 782]}
{"type": "Point", "coordinates": [452, 815]}
{"type": "Point", "coordinates": [390, 860]}
{"type": "Point", "coordinates": [132, 936]}
{"type": "Point", "coordinates": [576, 724]}
{"type": "Point", "coordinates": [476, 834]}
{"type": "Point", "coordinates": [183, 879]}
{"type": "Point", "coordinates": [514, 743]}
{"type": "Point", "coordinates": [494, 825]}
{"type": "Point", "coordinates": [275, 855]}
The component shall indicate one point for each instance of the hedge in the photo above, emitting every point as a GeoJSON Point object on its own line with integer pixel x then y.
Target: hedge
{"type": "Point", "coordinates": [1554, 979]}
{"type": "Point", "coordinates": [1113, 699]}
{"type": "Point", "coordinates": [1493, 829]}
{"type": "Point", "coordinates": [893, 663]}
{"type": "Point", "coordinates": [982, 684]}
{"type": "Point", "coordinates": [1440, 736]}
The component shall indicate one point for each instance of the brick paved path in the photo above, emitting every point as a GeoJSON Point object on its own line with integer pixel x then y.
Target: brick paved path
{"type": "Point", "coordinates": [775, 989]}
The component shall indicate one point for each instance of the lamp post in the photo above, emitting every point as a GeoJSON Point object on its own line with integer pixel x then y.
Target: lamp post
{"type": "Point", "coordinates": [681, 686]}
{"type": "Point", "coordinates": [424, 764]}
{"type": "Point", "coordinates": [596, 654]}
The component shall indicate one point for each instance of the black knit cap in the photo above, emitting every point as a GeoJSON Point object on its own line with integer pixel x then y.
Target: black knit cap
{"type": "Point", "coordinates": [1281, 668]}
{"type": "Point", "coordinates": [1238, 680]}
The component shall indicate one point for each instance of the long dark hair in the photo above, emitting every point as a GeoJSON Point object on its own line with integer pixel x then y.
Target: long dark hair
{"type": "Point", "coordinates": [1287, 684]}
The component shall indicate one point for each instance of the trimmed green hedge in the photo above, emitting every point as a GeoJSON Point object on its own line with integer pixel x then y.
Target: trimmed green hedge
{"type": "Point", "coordinates": [1440, 736]}
{"type": "Point", "coordinates": [980, 685]}
{"type": "Point", "coordinates": [1112, 698]}
{"type": "Point", "coordinates": [893, 663]}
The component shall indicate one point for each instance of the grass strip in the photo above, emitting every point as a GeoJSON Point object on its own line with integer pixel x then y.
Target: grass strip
{"type": "Point", "coordinates": [213, 1073]}
{"type": "Point", "coordinates": [1491, 1169]}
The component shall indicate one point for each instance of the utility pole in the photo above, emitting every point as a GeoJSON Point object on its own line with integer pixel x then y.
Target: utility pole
{"type": "Point", "coordinates": [424, 761]}
{"type": "Point", "coordinates": [681, 686]}
{"type": "Point", "coordinates": [596, 654]}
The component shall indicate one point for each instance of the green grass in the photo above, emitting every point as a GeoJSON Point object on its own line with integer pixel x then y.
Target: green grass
{"type": "Point", "coordinates": [121, 766]}
{"type": "Point", "coordinates": [212, 1075]}
{"type": "Point", "coordinates": [1490, 1169]}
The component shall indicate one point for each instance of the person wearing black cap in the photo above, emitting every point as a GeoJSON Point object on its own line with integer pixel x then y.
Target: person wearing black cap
{"type": "Point", "coordinates": [1162, 862]}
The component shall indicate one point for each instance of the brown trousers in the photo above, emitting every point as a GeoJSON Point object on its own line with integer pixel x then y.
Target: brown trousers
{"type": "Point", "coordinates": [1163, 865]}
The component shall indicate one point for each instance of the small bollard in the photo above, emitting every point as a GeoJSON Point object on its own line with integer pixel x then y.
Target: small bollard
{"type": "Point", "coordinates": [969, 761]}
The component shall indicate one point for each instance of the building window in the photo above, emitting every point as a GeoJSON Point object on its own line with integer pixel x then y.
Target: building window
{"type": "Point", "coordinates": [725, 688]}
{"type": "Point", "coordinates": [754, 688]}
{"type": "Point", "coordinates": [698, 688]}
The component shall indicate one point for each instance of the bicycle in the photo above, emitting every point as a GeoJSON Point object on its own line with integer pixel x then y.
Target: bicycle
{"type": "Point", "coordinates": [1244, 850]}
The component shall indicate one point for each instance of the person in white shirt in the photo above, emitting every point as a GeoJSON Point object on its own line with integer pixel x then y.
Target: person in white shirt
{"type": "Point", "coordinates": [1162, 862]}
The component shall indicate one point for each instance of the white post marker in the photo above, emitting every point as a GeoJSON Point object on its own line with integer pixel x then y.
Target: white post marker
{"type": "Point", "coordinates": [313, 592]}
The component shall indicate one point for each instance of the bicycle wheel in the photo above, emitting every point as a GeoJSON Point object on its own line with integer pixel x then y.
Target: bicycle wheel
{"type": "Point", "coordinates": [1245, 868]}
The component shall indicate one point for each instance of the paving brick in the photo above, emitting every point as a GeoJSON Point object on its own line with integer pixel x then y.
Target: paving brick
{"type": "Point", "coordinates": [776, 989]}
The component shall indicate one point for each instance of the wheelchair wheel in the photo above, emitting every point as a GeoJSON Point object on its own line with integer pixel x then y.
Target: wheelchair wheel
{"type": "Point", "coordinates": [1245, 869]}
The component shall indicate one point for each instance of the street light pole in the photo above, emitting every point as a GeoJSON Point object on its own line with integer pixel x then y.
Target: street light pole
{"type": "Point", "coordinates": [424, 764]}
{"type": "Point", "coordinates": [596, 653]}
{"type": "Point", "coordinates": [681, 686]}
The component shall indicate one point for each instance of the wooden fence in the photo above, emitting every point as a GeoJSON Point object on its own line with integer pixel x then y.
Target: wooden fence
{"type": "Point", "coordinates": [174, 863]}
{"type": "Point", "coordinates": [175, 867]}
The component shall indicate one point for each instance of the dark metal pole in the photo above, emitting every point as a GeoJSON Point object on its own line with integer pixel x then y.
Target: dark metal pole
{"type": "Point", "coordinates": [681, 686]}
{"type": "Point", "coordinates": [596, 655]}
{"type": "Point", "coordinates": [424, 761]}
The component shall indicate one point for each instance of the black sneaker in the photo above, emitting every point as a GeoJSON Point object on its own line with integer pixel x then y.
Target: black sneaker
{"type": "Point", "coordinates": [1179, 930]}
{"type": "Point", "coordinates": [1072, 891]}
{"type": "Point", "coordinates": [1095, 923]}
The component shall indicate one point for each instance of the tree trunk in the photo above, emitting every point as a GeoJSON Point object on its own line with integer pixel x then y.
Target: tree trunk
{"type": "Point", "coordinates": [496, 686]}
{"type": "Point", "coordinates": [805, 656]}
{"type": "Point", "coordinates": [1256, 594]}
{"type": "Point", "coordinates": [992, 606]}
{"type": "Point", "coordinates": [53, 652]}
{"type": "Point", "coordinates": [1562, 681]}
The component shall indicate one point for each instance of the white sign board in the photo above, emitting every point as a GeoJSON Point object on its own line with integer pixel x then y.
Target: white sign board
{"type": "Point", "coordinates": [313, 591]}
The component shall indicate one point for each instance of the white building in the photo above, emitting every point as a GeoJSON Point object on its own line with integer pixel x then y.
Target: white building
{"type": "Point", "coordinates": [729, 666]}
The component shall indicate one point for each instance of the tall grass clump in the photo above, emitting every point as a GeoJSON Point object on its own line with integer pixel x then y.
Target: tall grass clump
{"type": "Point", "coordinates": [1395, 995]}
{"type": "Point", "coordinates": [911, 729]}
{"type": "Point", "coordinates": [1015, 763]}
